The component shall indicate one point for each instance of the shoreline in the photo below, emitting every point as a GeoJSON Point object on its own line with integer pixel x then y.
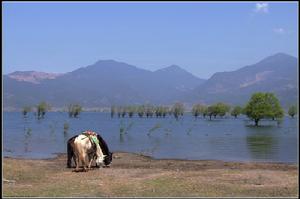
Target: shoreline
{"type": "Point", "coordinates": [58, 155]}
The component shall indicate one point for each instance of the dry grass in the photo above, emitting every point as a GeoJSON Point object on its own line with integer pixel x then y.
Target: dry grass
{"type": "Point", "coordinates": [132, 175]}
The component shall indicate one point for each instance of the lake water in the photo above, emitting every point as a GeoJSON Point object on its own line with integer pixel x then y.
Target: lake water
{"type": "Point", "coordinates": [226, 139]}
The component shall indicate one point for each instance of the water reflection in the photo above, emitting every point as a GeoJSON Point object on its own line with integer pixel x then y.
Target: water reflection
{"type": "Point", "coordinates": [27, 138]}
{"type": "Point", "coordinates": [155, 143]}
{"type": "Point", "coordinates": [262, 146]}
{"type": "Point", "coordinates": [121, 138]}
{"type": "Point", "coordinates": [225, 139]}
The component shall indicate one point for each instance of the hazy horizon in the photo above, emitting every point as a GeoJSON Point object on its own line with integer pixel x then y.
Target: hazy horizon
{"type": "Point", "coordinates": [137, 67]}
{"type": "Point", "coordinates": [202, 38]}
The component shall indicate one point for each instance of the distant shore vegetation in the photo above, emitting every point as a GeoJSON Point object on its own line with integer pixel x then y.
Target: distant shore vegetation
{"type": "Point", "coordinates": [260, 106]}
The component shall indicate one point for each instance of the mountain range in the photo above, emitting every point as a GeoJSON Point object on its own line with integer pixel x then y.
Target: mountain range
{"type": "Point", "coordinates": [108, 82]}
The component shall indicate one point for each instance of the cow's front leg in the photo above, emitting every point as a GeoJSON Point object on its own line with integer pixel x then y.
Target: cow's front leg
{"type": "Point", "coordinates": [90, 162]}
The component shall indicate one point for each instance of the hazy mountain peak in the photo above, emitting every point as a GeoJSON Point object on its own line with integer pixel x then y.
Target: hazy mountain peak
{"type": "Point", "coordinates": [32, 76]}
{"type": "Point", "coordinates": [278, 58]}
{"type": "Point", "coordinates": [172, 68]}
{"type": "Point", "coordinates": [280, 55]}
{"type": "Point", "coordinates": [107, 61]}
{"type": "Point", "coordinates": [110, 63]}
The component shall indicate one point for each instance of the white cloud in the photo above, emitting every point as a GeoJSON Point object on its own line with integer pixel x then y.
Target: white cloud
{"type": "Point", "coordinates": [261, 7]}
{"type": "Point", "coordinates": [279, 31]}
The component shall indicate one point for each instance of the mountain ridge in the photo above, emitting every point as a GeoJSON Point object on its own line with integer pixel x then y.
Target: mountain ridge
{"type": "Point", "coordinates": [109, 82]}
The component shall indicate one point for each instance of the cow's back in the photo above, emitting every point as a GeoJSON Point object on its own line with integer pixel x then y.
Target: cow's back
{"type": "Point", "coordinates": [81, 145]}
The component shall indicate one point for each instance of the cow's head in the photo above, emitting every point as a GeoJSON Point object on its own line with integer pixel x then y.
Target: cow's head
{"type": "Point", "coordinates": [100, 160]}
{"type": "Point", "coordinates": [108, 159]}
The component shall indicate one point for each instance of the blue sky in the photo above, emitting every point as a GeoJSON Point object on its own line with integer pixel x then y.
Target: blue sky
{"type": "Point", "coordinates": [202, 38]}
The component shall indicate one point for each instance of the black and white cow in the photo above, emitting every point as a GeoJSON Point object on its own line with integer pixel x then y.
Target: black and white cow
{"type": "Point", "coordinates": [91, 154]}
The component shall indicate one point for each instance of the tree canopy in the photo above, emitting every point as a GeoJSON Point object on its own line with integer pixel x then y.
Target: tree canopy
{"type": "Point", "coordinates": [237, 110]}
{"type": "Point", "coordinates": [263, 105]}
{"type": "Point", "coordinates": [42, 108]}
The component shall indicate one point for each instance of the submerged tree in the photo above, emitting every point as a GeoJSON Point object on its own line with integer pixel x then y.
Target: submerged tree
{"type": "Point", "coordinates": [204, 111]}
{"type": "Point", "coordinates": [178, 110]}
{"type": "Point", "coordinates": [161, 111]}
{"type": "Point", "coordinates": [149, 110]}
{"type": "Point", "coordinates": [276, 110]}
{"type": "Point", "coordinates": [119, 111]}
{"type": "Point", "coordinates": [292, 111]}
{"type": "Point", "coordinates": [26, 109]}
{"type": "Point", "coordinates": [112, 111]}
{"type": "Point", "coordinates": [237, 110]}
{"type": "Point", "coordinates": [211, 111]}
{"type": "Point", "coordinates": [263, 105]}
{"type": "Point", "coordinates": [131, 110]}
{"type": "Point", "coordinates": [42, 108]}
{"type": "Point", "coordinates": [222, 109]}
{"type": "Point", "coordinates": [196, 110]}
{"type": "Point", "coordinates": [141, 110]}
{"type": "Point", "coordinates": [74, 110]}
{"type": "Point", "coordinates": [165, 110]}
{"type": "Point", "coordinates": [123, 111]}
{"type": "Point", "coordinates": [199, 109]}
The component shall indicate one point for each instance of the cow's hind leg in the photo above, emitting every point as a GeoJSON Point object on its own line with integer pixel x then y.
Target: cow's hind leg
{"type": "Point", "coordinates": [77, 163]}
{"type": "Point", "coordinates": [83, 159]}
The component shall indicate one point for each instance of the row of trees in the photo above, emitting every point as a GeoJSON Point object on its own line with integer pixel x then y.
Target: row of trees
{"type": "Point", "coordinates": [43, 107]}
{"type": "Point", "coordinates": [148, 110]}
{"type": "Point", "coordinates": [74, 110]}
{"type": "Point", "coordinates": [41, 110]}
{"type": "Point", "coordinates": [260, 106]}
{"type": "Point", "coordinates": [216, 109]}
{"type": "Point", "coordinates": [141, 111]}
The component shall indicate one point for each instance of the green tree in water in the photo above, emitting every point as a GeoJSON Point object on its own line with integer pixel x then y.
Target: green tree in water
{"type": "Point", "coordinates": [112, 111]}
{"type": "Point", "coordinates": [237, 110]}
{"type": "Point", "coordinates": [42, 108]}
{"type": "Point", "coordinates": [276, 110]}
{"type": "Point", "coordinates": [196, 111]}
{"type": "Point", "coordinates": [222, 109]}
{"type": "Point", "coordinates": [149, 110]}
{"type": "Point", "coordinates": [211, 111]}
{"type": "Point", "coordinates": [74, 110]}
{"type": "Point", "coordinates": [263, 105]}
{"type": "Point", "coordinates": [292, 111]}
{"type": "Point", "coordinates": [178, 110]}
{"type": "Point", "coordinates": [131, 110]}
{"type": "Point", "coordinates": [141, 110]}
{"type": "Point", "coordinates": [26, 109]}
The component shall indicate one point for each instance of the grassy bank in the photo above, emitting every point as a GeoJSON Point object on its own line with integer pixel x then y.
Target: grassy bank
{"type": "Point", "coordinates": [135, 175]}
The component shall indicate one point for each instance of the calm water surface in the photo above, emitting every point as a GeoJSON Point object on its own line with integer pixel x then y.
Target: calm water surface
{"type": "Point", "coordinates": [219, 139]}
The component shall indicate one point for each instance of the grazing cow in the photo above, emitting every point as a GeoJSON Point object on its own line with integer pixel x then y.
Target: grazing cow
{"type": "Point", "coordinates": [85, 147]}
{"type": "Point", "coordinates": [92, 155]}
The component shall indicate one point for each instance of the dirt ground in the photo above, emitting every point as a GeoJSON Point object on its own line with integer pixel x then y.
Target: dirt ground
{"type": "Point", "coordinates": [134, 175]}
